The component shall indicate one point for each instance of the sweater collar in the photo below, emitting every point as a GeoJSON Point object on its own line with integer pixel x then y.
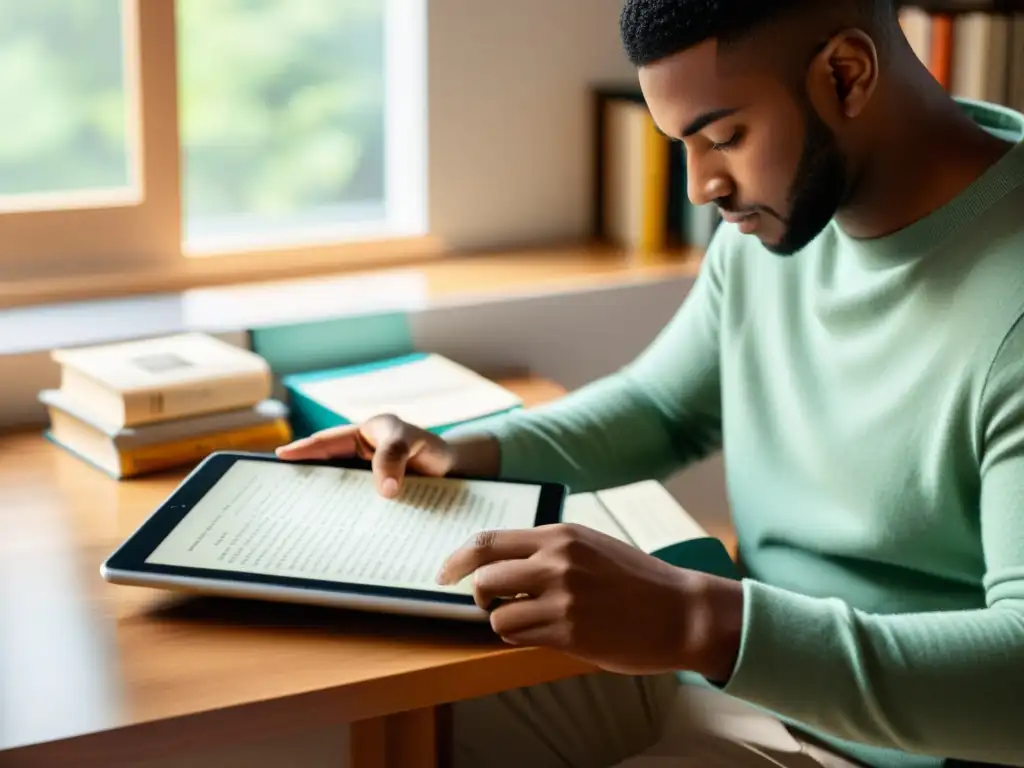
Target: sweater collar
{"type": "Point", "coordinates": [995, 183]}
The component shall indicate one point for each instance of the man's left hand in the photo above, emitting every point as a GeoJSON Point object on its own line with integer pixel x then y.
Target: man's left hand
{"type": "Point", "coordinates": [582, 592]}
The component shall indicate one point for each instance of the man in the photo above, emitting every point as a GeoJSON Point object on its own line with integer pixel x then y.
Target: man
{"type": "Point", "coordinates": [854, 344]}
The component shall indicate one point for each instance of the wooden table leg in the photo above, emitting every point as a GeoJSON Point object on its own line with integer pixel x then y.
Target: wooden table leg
{"type": "Point", "coordinates": [419, 738]}
{"type": "Point", "coordinates": [368, 744]}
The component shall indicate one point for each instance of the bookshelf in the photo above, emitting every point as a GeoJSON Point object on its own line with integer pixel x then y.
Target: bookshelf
{"type": "Point", "coordinates": [973, 48]}
{"type": "Point", "coordinates": [957, 7]}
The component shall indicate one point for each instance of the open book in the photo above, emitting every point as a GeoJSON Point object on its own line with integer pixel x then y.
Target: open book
{"type": "Point", "coordinates": [647, 516]}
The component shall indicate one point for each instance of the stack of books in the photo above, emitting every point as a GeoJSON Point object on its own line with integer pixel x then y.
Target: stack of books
{"type": "Point", "coordinates": [139, 407]}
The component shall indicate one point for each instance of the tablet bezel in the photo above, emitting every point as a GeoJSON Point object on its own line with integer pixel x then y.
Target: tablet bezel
{"type": "Point", "coordinates": [130, 557]}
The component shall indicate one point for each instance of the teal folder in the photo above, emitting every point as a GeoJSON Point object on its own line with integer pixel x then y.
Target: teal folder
{"type": "Point", "coordinates": [323, 344]}
{"type": "Point", "coordinates": [707, 555]}
{"type": "Point", "coordinates": [309, 415]}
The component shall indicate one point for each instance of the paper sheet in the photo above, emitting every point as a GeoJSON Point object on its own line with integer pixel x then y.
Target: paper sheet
{"type": "Point", "coordinates": [430, 392]}
{"type": "Point", "coordinates": [585, 509]}
{"type": "Point", "coordinates": [650, 515]}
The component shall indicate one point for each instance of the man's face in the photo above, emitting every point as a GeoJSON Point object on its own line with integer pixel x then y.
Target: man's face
{"type": "Point", "coordinates": [764, 157]}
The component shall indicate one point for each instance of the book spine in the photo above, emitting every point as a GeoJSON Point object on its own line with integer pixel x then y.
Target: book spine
{"type": "Point", "coordinates": [917, 27]}
{"type": "Point", "coordinates": [164, 404]}
{"type": "Point", "coordinates": [941, 49]}
{"type": "Point", "coordinates": [153, 458]}
{"type": "Point", "coordinates": [1015, 96]}
{"type": "Point", "coordinates": [655, 189]}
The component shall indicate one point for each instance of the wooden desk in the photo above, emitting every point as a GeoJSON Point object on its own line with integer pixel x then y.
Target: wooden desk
{"type": "Point", "coordinates": [95, 674]}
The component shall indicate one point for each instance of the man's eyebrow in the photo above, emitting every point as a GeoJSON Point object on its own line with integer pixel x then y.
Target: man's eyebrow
{"type": "Point", "coordinates": [703, 121]}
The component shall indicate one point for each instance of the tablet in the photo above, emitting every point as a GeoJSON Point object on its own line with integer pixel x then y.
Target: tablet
{"type": "Point", "coordinates": [253, 526]}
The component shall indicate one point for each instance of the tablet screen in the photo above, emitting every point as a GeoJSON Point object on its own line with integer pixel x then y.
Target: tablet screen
{"type": "Point", "coordinates": [330, 524]}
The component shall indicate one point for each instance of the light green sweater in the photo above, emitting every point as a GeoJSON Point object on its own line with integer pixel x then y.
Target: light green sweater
{"type": "Point", "coordinates": [869, 400]}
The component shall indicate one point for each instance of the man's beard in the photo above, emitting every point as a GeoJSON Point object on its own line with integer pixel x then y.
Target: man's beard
{"type": "Point", "coordinates": [819, 188]}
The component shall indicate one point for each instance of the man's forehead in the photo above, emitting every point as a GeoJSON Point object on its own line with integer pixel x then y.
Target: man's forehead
{"type": "Point", "coordinates": [694, 82]}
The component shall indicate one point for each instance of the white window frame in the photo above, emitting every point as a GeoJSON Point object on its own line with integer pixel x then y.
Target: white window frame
{"type": "Point", "coordinates": [119, 242]}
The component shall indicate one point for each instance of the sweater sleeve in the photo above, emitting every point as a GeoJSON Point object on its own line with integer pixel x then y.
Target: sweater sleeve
{"type": "Point", "coordinates": [654, 416]}
{"type": "Point", "coordinates": [943, 684]}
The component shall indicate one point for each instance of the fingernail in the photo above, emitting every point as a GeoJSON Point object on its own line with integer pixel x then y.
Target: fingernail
{"type": "Point", "coordinates": [442, 577]}
{"type": "Point", "coordinates": [390, 487]}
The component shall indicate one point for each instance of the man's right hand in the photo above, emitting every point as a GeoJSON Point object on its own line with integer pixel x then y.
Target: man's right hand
{"type": "Point", "coordinates": [388, 443]}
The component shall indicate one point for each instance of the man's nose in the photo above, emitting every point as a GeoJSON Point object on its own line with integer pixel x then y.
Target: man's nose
{"type": "Point", "coordinates": [706, 183]}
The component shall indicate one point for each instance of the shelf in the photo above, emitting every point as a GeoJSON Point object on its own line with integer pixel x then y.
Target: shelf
{"type": "Point", "coordinates": [60, 322]}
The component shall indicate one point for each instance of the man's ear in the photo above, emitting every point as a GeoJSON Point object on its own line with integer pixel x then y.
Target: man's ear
{"type": "Point", "coordinates": [844, 74]}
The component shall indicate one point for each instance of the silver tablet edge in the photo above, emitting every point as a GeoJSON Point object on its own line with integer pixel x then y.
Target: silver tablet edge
{"type": "Point", "coordinates": [226, 588]}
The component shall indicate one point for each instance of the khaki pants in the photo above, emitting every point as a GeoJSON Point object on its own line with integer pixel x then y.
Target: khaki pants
{"type": "Point", "coordinates": [610, 721]}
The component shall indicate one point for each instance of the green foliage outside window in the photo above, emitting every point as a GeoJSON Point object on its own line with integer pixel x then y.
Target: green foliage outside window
{"type": "Point", "coordinates": [281, 101]}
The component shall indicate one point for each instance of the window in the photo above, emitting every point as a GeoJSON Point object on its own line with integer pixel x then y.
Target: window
{"type": "Point", "coordinates": [141, 133]}
{"type": "Point", "coordinates": [62, 67]}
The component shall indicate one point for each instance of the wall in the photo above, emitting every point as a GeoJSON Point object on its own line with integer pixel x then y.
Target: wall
{"type": "Point", "coordinates": [510, 145]}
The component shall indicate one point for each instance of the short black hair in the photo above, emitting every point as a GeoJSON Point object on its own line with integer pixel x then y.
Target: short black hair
{"type": "Point", "coordinates": [652, 30]}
